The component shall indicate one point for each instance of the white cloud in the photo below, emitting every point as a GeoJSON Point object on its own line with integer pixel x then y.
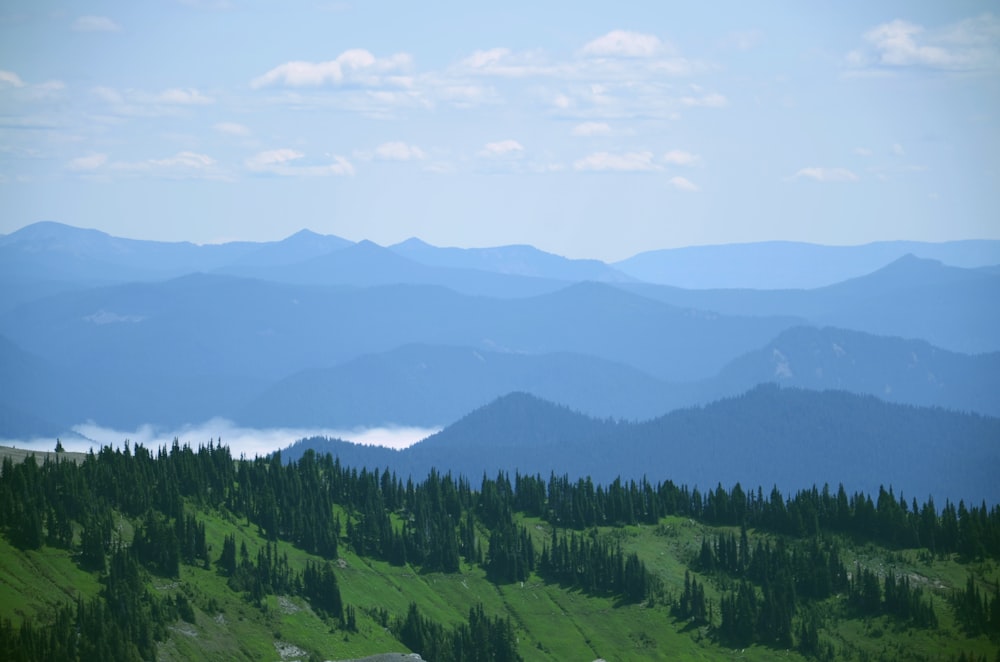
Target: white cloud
{"type": "Point", "coordinates": [896, 44]}
{"type": "Point", "coordinates": [826, 174]}
{"type": "Point", "coordinates": [280, 162]}
{"type": "Point", "coordinates": [862, 151]}
{"type": "Point", "coordinates": [677, 66]}
{"type": "Point", "coordinates": [712, 100]}
{"type": "Point", "coordinates": [87, 163]}
{"type": "Point", "coordinates": [969, 45]}
{"type": "Point", "coordinates": [464, 95]}
{"type": "Point", "coordinates": [356, 65]}
{"type": "Point", "coordinates": [191, 160]}
{"type": "Point", "coordinates": [22, 90]}
{"type": "Point", "coordinates": [505, 63]}
{"type": "Point", "coordinates": [240, 440]}
{"type": "Point", "coordinates": [398, 151]}
{"type": "Point", "coordinates": [625, 162]}
{"type": "Point", "coordinates": [622, 43]}
{"type": "Point", "coordinates": [183, 165]}
{"type": "Point", "coordinates": [190, 96]}
{"type": "Point", "coordinates": [10, 78]}
{"type": "Point", "coordinates": [683, 184]}
{"type": "Point", "coordinates": [680, 157]}
{"type": "Point", "coordinates": [95, 24]}
{"type": "Point", "coordinates": [272, 158]}
{"type": "Point", "coordinates": [140, 103]}
{"type": "Point", "coordinates": [502, 148]}
{"type": "Point", "coordinates": [897, 150]}
{"type": "Point", "coordinates": [485, 59]}
{"type": "Point", "coordinates": [592, 129]}
{"type": "Point", "coordinates": [232, 128]}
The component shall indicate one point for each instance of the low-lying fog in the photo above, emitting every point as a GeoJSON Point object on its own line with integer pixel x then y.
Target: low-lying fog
{"type": "Point", "coordinates": [241, 441]}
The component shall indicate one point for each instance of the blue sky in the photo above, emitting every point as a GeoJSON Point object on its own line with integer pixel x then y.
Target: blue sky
{"type": "Point", "coordinates": [587, 129]}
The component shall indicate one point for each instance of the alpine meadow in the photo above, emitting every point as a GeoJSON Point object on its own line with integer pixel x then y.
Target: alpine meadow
{"type": "Point", "coordinates": [380, 331]}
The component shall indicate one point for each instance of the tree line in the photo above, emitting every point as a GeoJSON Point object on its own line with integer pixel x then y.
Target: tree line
{"type": "Point", "coordinates": [318, 504]}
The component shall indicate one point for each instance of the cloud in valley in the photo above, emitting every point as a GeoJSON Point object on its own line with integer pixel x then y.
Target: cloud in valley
{"type": "Point", "coordinates": [241, 441]}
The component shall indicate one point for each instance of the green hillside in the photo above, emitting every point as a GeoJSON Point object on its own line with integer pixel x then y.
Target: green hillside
{"type": "Point", "coordinates": [222, 559]}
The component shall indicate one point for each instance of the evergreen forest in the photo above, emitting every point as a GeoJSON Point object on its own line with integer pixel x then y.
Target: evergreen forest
{"type": "Point", "coordinates": [181, 553]}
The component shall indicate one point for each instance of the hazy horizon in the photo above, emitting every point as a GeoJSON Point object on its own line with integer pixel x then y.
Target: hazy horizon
{"type": "Point", "coordinates": [593, 132]}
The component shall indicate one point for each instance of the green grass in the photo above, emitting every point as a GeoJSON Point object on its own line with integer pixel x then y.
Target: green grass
{"type": "Point", "coordinates": [552, 623]}
{"type": "Point", "coordinates": [33, 582]}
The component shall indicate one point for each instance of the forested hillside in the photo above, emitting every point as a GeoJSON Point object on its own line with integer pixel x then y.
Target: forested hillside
{"type": "Point", "coordinates": [138, 554]}
{"type": "Point", "coordinates": [769, 435]}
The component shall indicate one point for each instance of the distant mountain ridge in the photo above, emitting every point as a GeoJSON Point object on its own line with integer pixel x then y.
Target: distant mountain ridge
{"type": "Point", "coordinates": [432, 385]}
{"type": "Point", "coordinates": [521, 260]}
{"type": "Point", "coordinates": [50, 257]}
{"type": "Point", "coordinates": [788, 438]}
{"type": "Point", "coordinates": [773, 265]}
{"type": "Point", "coordinates": [51, 251]}
{"type": "Point", "coordinates": [912, 297]}
{"type": "Point", "coordinates": [276, 355]}
{"type": "Point", "coordinates": [319, 329]}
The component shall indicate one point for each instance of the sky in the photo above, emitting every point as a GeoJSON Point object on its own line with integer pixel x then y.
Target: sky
{"type": "Point", "coordinates": [588, 129]}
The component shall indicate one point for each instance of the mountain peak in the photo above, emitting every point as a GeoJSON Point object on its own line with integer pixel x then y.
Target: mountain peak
{"type": "Point", "coordinates": [412, 243]}
{"type": "Point", "coordinates": [513, 419]}
{"type": "Point", "coordinates": [304, 233]}
{"type": "Point", "coordinates": [52, 233]}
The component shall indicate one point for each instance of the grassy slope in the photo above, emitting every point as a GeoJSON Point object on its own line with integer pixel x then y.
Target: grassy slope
{"type": "Point", "coordinates": [32, 582]}
{"type": "Point", "coordinates": [552, 623]}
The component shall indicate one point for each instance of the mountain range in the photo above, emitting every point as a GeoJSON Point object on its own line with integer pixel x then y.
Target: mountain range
{"type": "Point", "coordinates": [318, 331]}
{"type": "Point", "coordinates": [773, 265]}
{"type": "Point", "coordinates": [767, 437]}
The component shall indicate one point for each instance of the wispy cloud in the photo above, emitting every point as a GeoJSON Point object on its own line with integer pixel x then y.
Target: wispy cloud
{"type": "Point", "coordinates": [966, 46]}
{"type": "Point", "coordinates": [141, 103]}
{"type": "Point", "coordinates": [502, 149]}
{"type": "Point", "coordinates": [398, 151]}
{"type": "Point", "coordinates": [95, 24]}
{"type": "Point", "coordinates": [826, 174]}
{"type": "Point", "coordinates": [504, 63]}
{"type": "Point", "coordinates": [622, 43]}
{"type": "Point", "coordinates": [181, 160]}
{"type": "Point", "coordinates": [23, 90]}
{"type": "Point", "coordinates": [621, 74]}
{"type": "Point", "coordinates": [684, 184]}
{"type": "Point", "coordinates": [10, 78]}
{"type": "Point", "coordinates": [592, 129]}
{"type": "Point", "coordinates": [232, 129]}
{"type": "Point", "coordinates": [182, 165]}
{"type": "Point", "coordinates": [357, 66]}
{"type": "Point", "coordinates": [284, 162]}
{"type": "Point", "coordinates": [707, 100]}
{"type": "Point", "coordinates": [87, 163]}
{"type": "Point", "coordinates": [183, 97]}
{"type": "Point", "coordinates": [680, 157]}
{"type": "Point", "coordinates": [623, 162]}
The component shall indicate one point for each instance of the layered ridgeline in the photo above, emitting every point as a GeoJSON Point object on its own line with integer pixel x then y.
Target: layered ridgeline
{"type": "Point", "coordinates": [318, 330]}
{"type": "Point", "coordinates": [189, 554]}
{"type": "Point", "coordinates": [428, 385]}
{"type": "Point", "coordinates": [772, 436]}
